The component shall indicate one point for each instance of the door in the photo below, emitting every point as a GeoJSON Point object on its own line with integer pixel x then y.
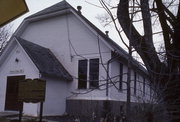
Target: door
{"type": "Point", "coordinates": [11, 102]}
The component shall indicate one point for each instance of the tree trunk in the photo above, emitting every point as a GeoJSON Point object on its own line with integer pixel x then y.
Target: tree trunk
{"type": "Point", "coordinates": [167, 75]}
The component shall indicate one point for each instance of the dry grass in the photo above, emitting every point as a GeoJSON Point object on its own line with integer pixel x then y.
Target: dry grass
{"type": "Point", "coordinates": [3, 120]}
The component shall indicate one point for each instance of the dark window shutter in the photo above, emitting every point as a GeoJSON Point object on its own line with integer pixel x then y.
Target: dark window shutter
{"type": "Point", "coordinates": [121, 76]}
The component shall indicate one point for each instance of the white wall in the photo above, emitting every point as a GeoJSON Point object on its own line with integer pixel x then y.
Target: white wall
{"type": "Point", "coordinates": [71, 40]}
{"type": "Point", "coordinates": [11, 68]}
{"type": "Point", "coordinates": [116, 94]}
{"type": "Point", "coordinates": [53, 34]}
{"type": "Point", "coordinates": [55, 100]}
{"type": "Point", "coordinates": [121, 95]}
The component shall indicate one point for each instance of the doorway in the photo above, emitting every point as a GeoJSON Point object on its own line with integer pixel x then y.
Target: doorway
{"type": "Point", "coordinates": [12, 102]}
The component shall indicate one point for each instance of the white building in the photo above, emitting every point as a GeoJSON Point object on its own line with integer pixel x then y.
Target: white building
{"type": "Point", "coordinates": [82, 66]}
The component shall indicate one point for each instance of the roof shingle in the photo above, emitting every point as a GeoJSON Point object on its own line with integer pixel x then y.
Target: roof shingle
{"type": "Point", "coordinates": [45, 60]}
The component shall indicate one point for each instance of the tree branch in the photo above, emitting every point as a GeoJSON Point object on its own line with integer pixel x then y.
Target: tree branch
{"type": "Point", "coordinates": [143, 45]}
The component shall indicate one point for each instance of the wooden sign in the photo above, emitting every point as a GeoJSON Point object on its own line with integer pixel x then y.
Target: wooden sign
{"type": "Point", "coordinates": [32, 90]}
{"type": "Point", "coordinates": [11, 9]}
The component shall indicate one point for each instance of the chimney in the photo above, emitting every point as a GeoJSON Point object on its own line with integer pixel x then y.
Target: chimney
{"type": "Point", "coordinates": [107, 33]}
{"type": "Point", "coordinates": [79, 9]}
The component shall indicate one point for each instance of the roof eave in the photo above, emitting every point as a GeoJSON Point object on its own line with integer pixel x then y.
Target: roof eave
{"type": "Point", "coordinates": [30, 19]}
{"type": "Point", "coordinates": [48, 15]}
{"type": "Point", "coordinates": [69, 78]}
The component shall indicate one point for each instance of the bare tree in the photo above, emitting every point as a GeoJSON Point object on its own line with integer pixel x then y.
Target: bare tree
{"type": "Point", "coordinates": [154, 17]}
{"type": "Point", "coordinates": [5, 33]}
{"type": "Point", "coordinates": [167, 74]}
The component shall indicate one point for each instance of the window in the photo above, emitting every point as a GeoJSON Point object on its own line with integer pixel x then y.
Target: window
{"type": "Point", "coordinates": [93, 68]}
{"type": "Point", "coordinates": [135, 81]}
{"type": "Point", "coordinates": [150, 87]}
{"type": "Point", "coordinates": [94, 73]}
{"type": "Point", "coordinates": [82, 74]}
{"type": "Point", "coordinates": [144, 83]}
{"type": "Point", "coordinates": [120, 76]}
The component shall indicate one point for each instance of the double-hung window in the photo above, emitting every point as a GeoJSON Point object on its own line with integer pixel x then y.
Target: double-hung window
{"type": "Point", "coordinates": [82, 74]}
{"type": "Point", "coordinates": [91, 79]}
{"type": "Point", "coordinates": [135, 82]}
{"type": "Point", "coordinates": [144, 85]}
{"type": "Point", "coordinates": [94, 73]}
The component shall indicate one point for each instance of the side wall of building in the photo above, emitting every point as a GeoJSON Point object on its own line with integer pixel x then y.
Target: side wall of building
{"type": "Point", "coordinates": [140, 86]}
{"type": "Point", "coordinates": [55, 100]}
{"type": "Point", "coordinates": [71, 40]}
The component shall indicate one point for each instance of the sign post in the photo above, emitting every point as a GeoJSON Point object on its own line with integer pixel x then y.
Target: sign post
{"type": "Point", "coordinates": [41, 111]}
{"type": "Point", "coordinates": [20, 114]}
{"type": "Point", "coordinates": [32, 91]}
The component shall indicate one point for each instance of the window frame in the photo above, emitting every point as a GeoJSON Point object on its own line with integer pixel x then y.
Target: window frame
{"type": "Point", "coordinates": [88, 74]}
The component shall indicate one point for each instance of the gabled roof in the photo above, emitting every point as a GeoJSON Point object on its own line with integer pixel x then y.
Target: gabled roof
{"type": "Point", "coordinates": [64, 5]}
{"type": "Point", "coordinates": [57, 7]}
{"type": "Point", "coordinates": [45, 60]}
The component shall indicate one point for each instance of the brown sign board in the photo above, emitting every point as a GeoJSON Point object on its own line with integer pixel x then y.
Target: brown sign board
{"type": "Point", "coordinates": [32, 90]}
{"type": "Point", "coordinates": [11, 9]}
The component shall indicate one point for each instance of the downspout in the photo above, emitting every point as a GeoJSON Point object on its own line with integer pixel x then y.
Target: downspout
{"type": "Point", "coordinates": [107, 77]}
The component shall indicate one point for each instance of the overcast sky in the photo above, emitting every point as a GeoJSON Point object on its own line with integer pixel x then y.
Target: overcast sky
{"type": "Point", "coordinates": [34, 6]}
{"type": "Point", "coordinates": [88, 10]}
